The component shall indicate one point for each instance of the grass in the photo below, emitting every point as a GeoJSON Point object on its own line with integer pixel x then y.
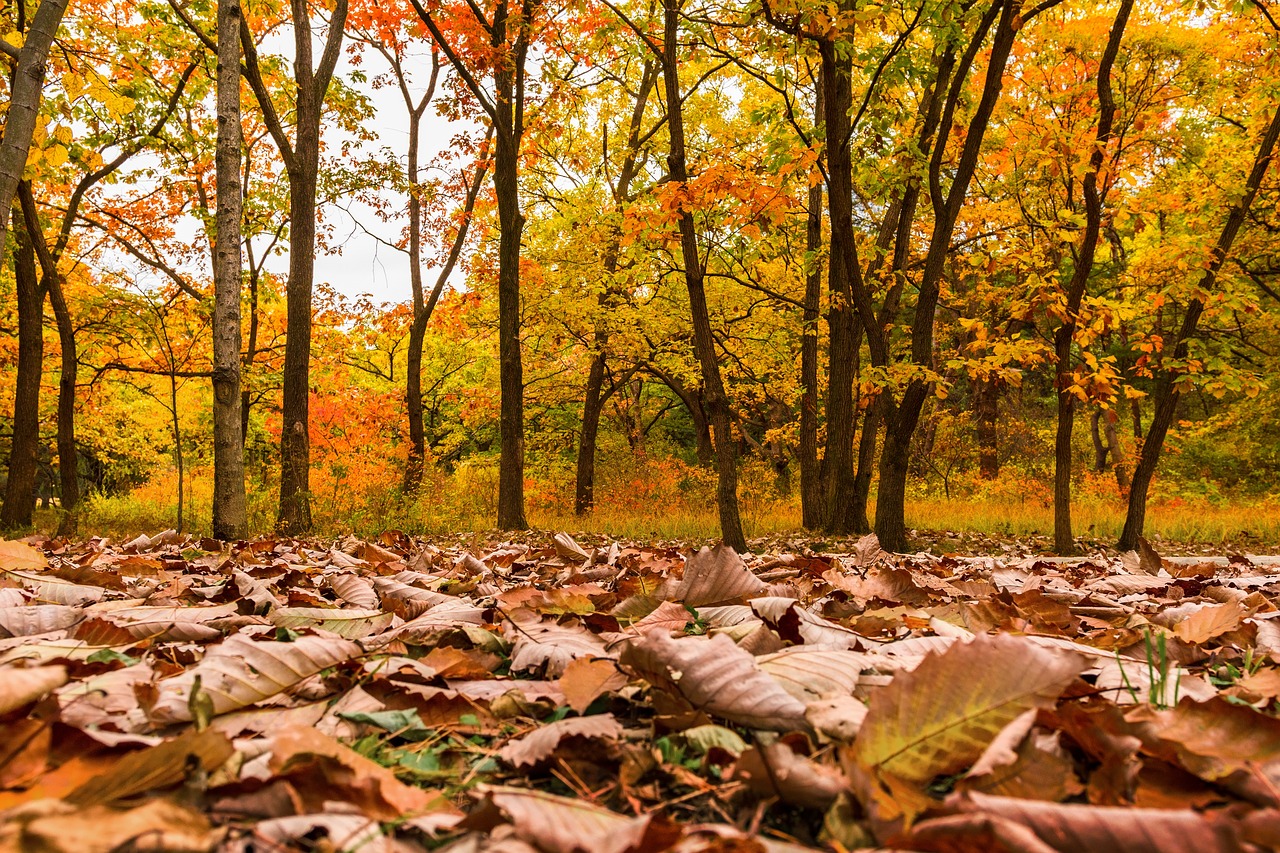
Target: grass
{"type": "Point", "coordinates": [662, 511]}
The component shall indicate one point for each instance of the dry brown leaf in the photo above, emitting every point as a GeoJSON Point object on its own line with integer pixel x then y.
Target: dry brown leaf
{"type": "Point", "coordinates": [586, 679]}
{"type": "Point", "coordinates": [321, 769]}
{"type": "Point", "coordinates": [712, 576]}
{"type": "Point", "coordinates": [546, 645]}
{"type": "Point", "coordinates": [716, 676]}
{"type": "Point", "coordinates": [939, 718]}
{"type": "Point", "coordinates": [353, 589]}
{"type": "Point", "coordinates": [37, 619]}
{"type": "Point", "coordinates": [540, 744]}
{"type": "Point", "coordinates": [561, 825]}
{"type": "Point", "coordinates": [154, 825]}
{"type": "Point", "coordinates": [20, 685]}
{"type": "Point", "coordinates": [240, 672]}
{"type": "Point", "coordinates": [155, 768]}
{"type": "Point", "coordinates": [776, 771]}
{"type": "Point", "coordinates": [1209, 622]}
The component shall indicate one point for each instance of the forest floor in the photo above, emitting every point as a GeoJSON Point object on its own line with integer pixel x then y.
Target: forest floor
{"type": "Point", "coordinates": [546, 694]}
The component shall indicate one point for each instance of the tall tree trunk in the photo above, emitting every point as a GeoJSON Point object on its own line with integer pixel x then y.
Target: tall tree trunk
{"type": "Point", "coordinates": [295, 444]}
{"type": "Point", "coordinates": [592, 401]}
{"type": "Point", "coordinates": [250, 353]}
{"type": "Point", "coordinates": [423, 310]}
{"type": "Point", "coordinates": [811, 491]}
{"type": "Point", "coordinates": [25, 90]}
{"type": "Point", "coordinates": [20, 490]}
{"type": "Point", "coordinates": [704, 345]}
{"type": "Point", "coordinates": [986, 407]}
{"type": "Point", "coordinates": [1166, 393]}
{"type": "Point", "coordinates": [68, 455]}
{"type": "Point", "coordinates": [901, 422]}
{"type": "Point", "coordinates": [510, 369]}
{"type": "Point", "coordinates": [1063, 541]}
{"type": "Point", "coordinates": [302, 163]}
{"type": "Point", "coordinates": [584, 490]}
{"type": "Point", "coordinates": [843, 267]}
{"type": "Point", "coordinates": [230, 512]}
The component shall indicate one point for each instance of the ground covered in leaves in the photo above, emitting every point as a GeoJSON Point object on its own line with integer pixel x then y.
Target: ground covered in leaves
{"type": "Point", "coordinates": [167, 694]}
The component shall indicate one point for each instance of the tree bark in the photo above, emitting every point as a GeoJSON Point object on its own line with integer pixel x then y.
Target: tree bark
{"type": "Point", "coordinates": [1063, 541]}
{"type": "Point", "coordinates": [1118, 463]}
{"type": "Point", "coordinates": [844, 277]}
{"type": "Point", "coordinates": [1167, 392]}
{"type": "Point", "coordinates": [26, 89]}
{"type": "Point", "coordinates": [717, 402]}
{"type": "Point", "coordinates": [302, 163]}
{"type": "Point", "coordinates": [230, 511]}
{"type": "Point", "coordinates": [20, 490]}
{"type": "Point", "coordinates": [901, 421]}
{"type": "Point", "coordinates": [811, 491]}
{"type": "Point", "coordinates": [593, 401]}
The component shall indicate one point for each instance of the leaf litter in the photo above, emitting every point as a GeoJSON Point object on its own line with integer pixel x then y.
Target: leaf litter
{"type": "Point", "coordinates": [543, 695]}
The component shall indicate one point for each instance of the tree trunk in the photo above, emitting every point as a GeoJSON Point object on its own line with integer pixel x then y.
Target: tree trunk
{"type": "Point", "coordinates": [510, 370]}
{"type": "Point", "coordinates": [986, 405]}
{"type": "Point", "coordinates": [250, 353]}
{"type": "Point", "coordinates": [1167, 393]}
{"type": "Point", "coordinates": [843, 267]}
{"type": "Point", "coordinates": [20, 490]}
{"type": "Point", "coordinates": [1063, 541]}
{"type": "Point", "coordinates": [901, 421]}
{"type": "Point", "coordinates": [417, 331]}
{"type": "Point", "coordinates": [592, 403]}
{"type": "Point", "coordinates": [302, 162]}
{"type": "Point", "coordinates": [811, 491]}
{"type": "Point", "coordinates": [230, 512]}
{"type": "Point", "coordinates": [716, 401]}
{"type": "Point", "coordinates": [1100, 450]}
{"type": "Point", "coordinates": [295, 443]}
{"type": "Point", "coordinates": [68, 456]}
{"type": "Point", "coordinates": [1118, 463]}
{"type": "Point", "coordinates": [26, 88]}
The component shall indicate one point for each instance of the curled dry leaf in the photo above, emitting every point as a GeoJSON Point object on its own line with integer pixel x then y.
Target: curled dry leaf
{"type": "Point", "coordinates": [352, 624]}
{"type": "Point", "coordinates": [155, 825]}
{"type": "Point", "coordinates": [546, 645]}
{"type": "Point", "coordinates": [562, 825]}
{"type": "Point", "coordinates": [19, 556]}
{"type": "Point", "coordinates": [939, 718]}
{"type": "Point", "coordinates": [540, 744]}
{"type": "Point", "coordinates": [20, 685]}
{"type": "Point", "coordinates": [712, 576]}
{"type": "Point", "coordinates": [353, 589]}
{"type": "Point", "coordinates": [717, 677]}
{"type": "Point", "coordinates": [240, 672]}
{"type": "Point", "coordinates": [154, 768]}
{"type": "Point", "coordinates": [321, 770]}
{"type": "Point", "coordinates": [37, 619]}
{"type": "Point", "coordinates": [334, 831]}
{"type": "Point", "coordinates": [586, 679]}
{"type": "Point", "coordinates": [1133, 830]}
{"type": "Point", "coordinates": [775, 770]}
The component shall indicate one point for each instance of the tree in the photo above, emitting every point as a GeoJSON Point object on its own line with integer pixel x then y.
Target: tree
{"type": "Point", "coordinates": [506, 34]}
{"type": "Point", "coordinates": [25, 90]}
{"type": "Point", "coordinates": [1063, 542]}
{"type": "Point", "coordinates": [1169, 380]}
{"type": "Point", "coordinates": [229, 504]}
{"type": "Point", "coordinates": [302, 162]}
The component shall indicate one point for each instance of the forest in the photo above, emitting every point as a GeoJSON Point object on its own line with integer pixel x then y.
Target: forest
{"type": "Point", "coordinates": [632, 426]}
{"type": "Point", "coordinates": [701, 267]}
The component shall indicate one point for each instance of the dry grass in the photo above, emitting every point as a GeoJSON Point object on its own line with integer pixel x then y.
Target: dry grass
{"type": "Point", "coordinates": [465, 503]}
